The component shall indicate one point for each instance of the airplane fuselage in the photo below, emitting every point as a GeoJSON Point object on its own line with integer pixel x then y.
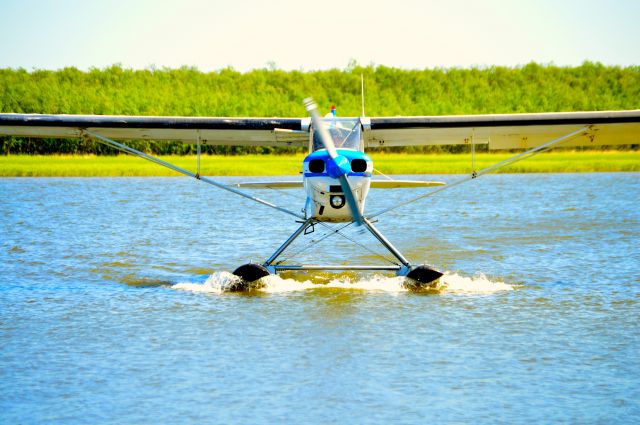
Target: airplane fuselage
{"type": "Point", "coordinates": [326, 200]}
{"type": "Point", "coordinates": [325, 196]}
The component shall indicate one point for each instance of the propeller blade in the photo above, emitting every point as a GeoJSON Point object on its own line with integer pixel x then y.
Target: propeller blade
{"type": "Point", "coordinates": [354, 206]}
{"type": "Point", "coordinates": [339, 169]}
{"type": "Point", "coordinates": [325, 137]}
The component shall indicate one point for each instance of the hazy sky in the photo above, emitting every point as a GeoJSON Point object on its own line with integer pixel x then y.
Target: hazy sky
{"type": "Point", "coordinates": [310, 35]}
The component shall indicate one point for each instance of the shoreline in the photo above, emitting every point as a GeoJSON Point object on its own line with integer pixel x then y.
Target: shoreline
{"type": "Point", "coordinates": [280, 165]}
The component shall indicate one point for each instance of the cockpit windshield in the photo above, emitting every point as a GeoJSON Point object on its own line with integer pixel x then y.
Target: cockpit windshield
{"type": "Point", "coordinates": [345, 133]}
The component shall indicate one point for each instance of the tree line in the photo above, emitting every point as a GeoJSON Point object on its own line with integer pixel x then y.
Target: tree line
{"type": "Point", "coordinates": [271, 92]}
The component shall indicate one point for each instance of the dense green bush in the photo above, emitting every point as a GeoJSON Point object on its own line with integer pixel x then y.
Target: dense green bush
{"type": "Point", "coordinates": [267, 92]}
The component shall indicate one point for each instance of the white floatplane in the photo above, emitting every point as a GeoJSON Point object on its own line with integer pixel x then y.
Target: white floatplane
{"type": "Point", "coordinates": [337, 173]}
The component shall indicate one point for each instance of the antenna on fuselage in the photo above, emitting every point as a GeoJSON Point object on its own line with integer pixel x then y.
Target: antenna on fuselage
{"type": "Point", "coordinates": [362, 91]}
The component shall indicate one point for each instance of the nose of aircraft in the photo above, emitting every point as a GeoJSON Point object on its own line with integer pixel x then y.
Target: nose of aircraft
{"type": "Point", "coordinates": [338, 167]}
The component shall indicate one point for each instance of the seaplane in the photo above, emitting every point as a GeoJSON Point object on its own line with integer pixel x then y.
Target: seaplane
{"type": "Point", "coordinates": [337, 173]}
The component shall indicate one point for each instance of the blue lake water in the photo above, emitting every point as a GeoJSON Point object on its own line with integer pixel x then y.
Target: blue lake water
{"type": "Point", "coordinates": [112, 309]}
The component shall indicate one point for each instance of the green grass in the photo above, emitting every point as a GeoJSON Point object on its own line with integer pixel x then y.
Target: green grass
{"type": "Point", "coordinates": [125, 165]}
{"type": "Point", "coordinates": [274, 165]}
{"type": "Point", "coordinates": [551, 162]}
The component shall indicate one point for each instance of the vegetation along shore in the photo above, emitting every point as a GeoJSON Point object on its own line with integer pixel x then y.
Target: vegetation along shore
{"type": "Point", "coordinates": [272, 92]}
{"type": "Point", "coordinates": [255, 165]}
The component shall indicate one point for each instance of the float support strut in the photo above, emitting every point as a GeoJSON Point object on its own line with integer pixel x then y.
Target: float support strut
{"type": "Point", "coordinates": [288, 242]}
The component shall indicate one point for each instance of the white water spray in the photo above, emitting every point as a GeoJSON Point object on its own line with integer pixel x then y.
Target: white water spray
{"type": "Point", "coordinates": [219, 282]}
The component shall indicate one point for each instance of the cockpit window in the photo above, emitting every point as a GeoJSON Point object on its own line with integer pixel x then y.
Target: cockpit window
{"type": "Point", "coordinates": [345, 133]}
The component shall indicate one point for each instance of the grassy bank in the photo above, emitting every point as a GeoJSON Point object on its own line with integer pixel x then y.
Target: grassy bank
{"type": "Point", "coordinates": [273, 165]}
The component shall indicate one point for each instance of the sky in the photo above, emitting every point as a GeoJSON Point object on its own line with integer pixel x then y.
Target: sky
{"type": "Point", "coordinates": [311, 35]}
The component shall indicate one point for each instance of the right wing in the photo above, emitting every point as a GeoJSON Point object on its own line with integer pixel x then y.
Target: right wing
{"type": "Point", "coordinates": [210, 131]}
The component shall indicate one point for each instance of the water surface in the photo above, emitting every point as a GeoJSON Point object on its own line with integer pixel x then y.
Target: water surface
{"type": "Point", "coordinates": [112, 310]}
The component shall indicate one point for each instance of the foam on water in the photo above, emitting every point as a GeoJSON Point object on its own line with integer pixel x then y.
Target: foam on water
{"type": "Point", "coordinates": [220, 281]}
{"type": "Point", "coordinates": [478, 284]}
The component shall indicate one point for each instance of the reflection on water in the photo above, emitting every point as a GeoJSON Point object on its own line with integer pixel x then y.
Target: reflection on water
{"type": "Point", "coordinates": [113, 307]}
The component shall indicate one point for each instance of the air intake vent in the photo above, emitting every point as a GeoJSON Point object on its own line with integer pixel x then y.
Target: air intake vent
{"type": "Point", "coordinates": [316, 166]}
{"type": "Point", "coordinates": [359, 165]}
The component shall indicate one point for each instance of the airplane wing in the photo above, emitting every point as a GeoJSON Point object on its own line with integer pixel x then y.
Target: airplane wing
{"type": "Point", "coordinates": [499, 131]}
{"type": "Point", "coordinates": [271, 185]}
{"type": "Point", "coordinates": [210, 131]}
{"type": "Point", "coordinates": [398, 184]}
{"type": "Point", "coordinates": [377, 184]}
{"type": "Point", "coordinates": [506, 131]}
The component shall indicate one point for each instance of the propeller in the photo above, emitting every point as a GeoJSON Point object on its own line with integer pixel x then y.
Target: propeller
{"type": "Point", "coordinates": [339, 165]}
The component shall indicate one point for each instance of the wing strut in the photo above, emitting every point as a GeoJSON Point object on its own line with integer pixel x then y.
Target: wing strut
{"type": "Point", "coordinates": [134, 152]}
{"type": "Point", "coordinates": [489, 169]}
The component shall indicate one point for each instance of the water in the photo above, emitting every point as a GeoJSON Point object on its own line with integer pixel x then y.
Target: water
{"type": "Point", "coordinates": [112, 309]}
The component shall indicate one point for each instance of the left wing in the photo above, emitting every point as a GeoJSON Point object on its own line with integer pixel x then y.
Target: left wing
{"type": "Point", "coordinates": [209, 131]}
{"type": "Point", "coordinates": [506, 131]}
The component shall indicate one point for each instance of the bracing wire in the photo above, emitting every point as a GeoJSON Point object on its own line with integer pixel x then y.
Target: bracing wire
{"type": "Point", "coordinates": [382, 174]}
{"type": "Point", "coordinates": [124, 148]}
{"type": "Point", "coordinates": [512, 160]}
{"type": "Point", "coordinates": [377, 254]}
{"type": "Point", "coordinates": [331, 232]}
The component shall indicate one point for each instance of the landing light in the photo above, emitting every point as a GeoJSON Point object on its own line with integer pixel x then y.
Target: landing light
{"type": "Point", "coordinates": [337, 201]}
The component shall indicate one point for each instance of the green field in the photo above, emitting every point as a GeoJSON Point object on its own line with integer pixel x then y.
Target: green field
{"type": "Point", "coordinates": [274, 165]}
